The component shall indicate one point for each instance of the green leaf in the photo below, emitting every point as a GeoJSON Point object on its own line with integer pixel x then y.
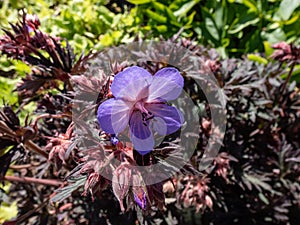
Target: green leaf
{"type": "Point", "coordinates": [293, 19]}
{"type": "Point", "coordinates": [257, 58]}
{"type": "Point", "coordinates": [219, 15]}
{"type": "Point", "coordinates": [155, 16]}
{"type": "Point", "coordinates": [251, 5]}
{"type": "Point", "coordinates": [161, 28]}
{"type": "Point", "coordinates": [254, 42]}
{"type": "Point", "coordinates": [287, 7]}
{"type": "Point", "coordinates": [159, 6]}
{"type": "Point", "coordinates": [139, 2]}
{"type": "Point", "coordinates": [171, 14]}
{"type": "Point", "coordinates": [244, 21]}
{"type": "Point", "coordinates": [190, 19]}
{"type": "Point", "coordinates": [275, 36]}
{"type": "Point", "coordinates": [106, 39]}
{"type": "Point", "coordinates": [268, 49]}
{"type": "Point", "coordinates": [186, 8]}
{"type": "Point", "coordinates": [7, 86]}
{"type": "Point", "coordinates": [166, 11]}
{"type": "Point", "coordinates": [211, 27]}
{"type": "Point", "coordinates": [8, 211]}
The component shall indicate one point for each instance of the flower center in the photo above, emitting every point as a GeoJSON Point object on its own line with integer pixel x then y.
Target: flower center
{"type": "Point", "coordinates": [146, 115]}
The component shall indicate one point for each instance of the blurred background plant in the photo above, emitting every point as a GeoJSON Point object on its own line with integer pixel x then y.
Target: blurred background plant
{"type": "Point", "coordinates": [254, 179]}
{"type": "Point", "coordinates": [233, 27]}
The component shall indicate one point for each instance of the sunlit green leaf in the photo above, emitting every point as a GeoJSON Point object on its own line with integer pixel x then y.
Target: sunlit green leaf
{"type": "Point", "coordinates": [268, 48]}
{"type": "Point", "coordinates": [186, 8]}
{"type": "Point", "coordinates": [155, 16]}
{"type": "Point", "coordinates": [251, 5]}
{"type": "Point", "coordinates": [138, 2]}
{"type": "Point", "coordinates": [244, 21]}
{"type": "Point", "coordinates": [8, 211]}
{"type": "Point", "coordinates": [287, 7]}
{"type": "Point", "coordinates": [257, 58]}
{"type": "Point", "coordinates": [158, 6]}
{"type": "Point", "coordinates": [161, 28]}
{"type": "Point", "coordinates": [274, 36]}
{"type": "Point", "coordinates": [219, 15]}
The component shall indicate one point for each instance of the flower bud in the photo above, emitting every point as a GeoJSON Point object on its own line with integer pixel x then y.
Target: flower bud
{"type": "Point", "coordinates": [139, 190]}
{"type": "Point", "coordinates": [121, 182]}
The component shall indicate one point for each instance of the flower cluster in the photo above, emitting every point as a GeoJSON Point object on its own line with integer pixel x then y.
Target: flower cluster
{"type": "Point", "coordinates": [285, 52]}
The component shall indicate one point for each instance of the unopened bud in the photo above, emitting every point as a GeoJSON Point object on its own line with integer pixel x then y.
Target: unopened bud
{"type": "Point", "coordinates": [121, 182]}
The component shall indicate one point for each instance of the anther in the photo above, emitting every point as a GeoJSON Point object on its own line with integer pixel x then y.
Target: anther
{"type": "Point", "coordinates": [150, 117]}
{"type": "Point", "coordinates": [144, 115]}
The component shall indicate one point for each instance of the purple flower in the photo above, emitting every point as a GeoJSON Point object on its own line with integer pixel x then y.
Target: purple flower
{"type": "Point", "coordinates": [140, 199]}
{"type": "Point", "coordinates": [140, 101]}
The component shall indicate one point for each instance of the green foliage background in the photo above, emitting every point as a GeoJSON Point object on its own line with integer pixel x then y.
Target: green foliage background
{"type": "Point", "coordinates": [233, 27]}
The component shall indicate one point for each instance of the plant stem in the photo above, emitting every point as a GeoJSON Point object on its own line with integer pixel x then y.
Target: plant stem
{"type": "Point", "coordinates": [287, 80]}
{"type": "Point", "coordinates": [32, 146]}
{"type": "Point", "coordinates": [50, 182]}
{"type": "Point", "coordinates": [25, 216]}
{"type": "Point", "coordinates": [47, 115]}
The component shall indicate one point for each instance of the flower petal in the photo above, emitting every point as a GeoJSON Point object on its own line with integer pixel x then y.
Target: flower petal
{"type": "Point", "coordinates": [129, 83]}
{"type": "Point", "coordinates": [142, 145]}
{"type": "Point", "coordinates": [139, 128]}
{"type": "Point", "coordinates": [167, 119]}
{"type": "Point", "coordinates": [140, 134]}
{"type": "Point", "coordinates": [113, 115]}
{"type": "Point", "coordinates": [142, 152]}
{"type": "Point", "coordinates": [167, 85]}
{"type": "Point", "coordinates": [141, 201]}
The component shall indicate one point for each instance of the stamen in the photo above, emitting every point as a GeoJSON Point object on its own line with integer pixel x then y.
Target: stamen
{"type": "Point", "coordinates": [150, 117]}
{"type": "Point", "coordinates": [144, 115]}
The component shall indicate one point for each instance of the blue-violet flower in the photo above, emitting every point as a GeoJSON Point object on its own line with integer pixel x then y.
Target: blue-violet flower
{"type": "Point", "coordinates": [140, 100]}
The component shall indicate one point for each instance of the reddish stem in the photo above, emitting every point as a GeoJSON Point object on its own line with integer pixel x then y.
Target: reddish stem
{"type": "Point", "coordinates": [32, 146]}
{"type": "Point", "coordinates": [47, 115]}
{"type": "Point", "coordinates": [50, 182]}
{"type": "Point", "coordinates": [287, 80]}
